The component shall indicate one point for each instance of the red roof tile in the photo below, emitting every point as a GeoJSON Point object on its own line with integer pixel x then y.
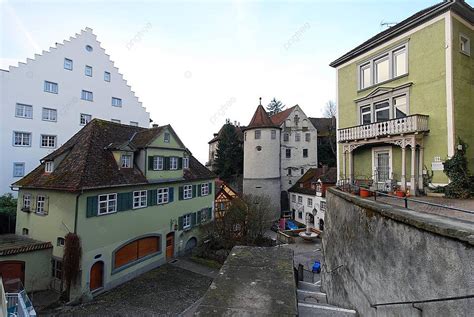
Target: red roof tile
{"type": "Point", "coordinates": [280, 117]}
{"type": "Point", "coordinates": [260, 119]}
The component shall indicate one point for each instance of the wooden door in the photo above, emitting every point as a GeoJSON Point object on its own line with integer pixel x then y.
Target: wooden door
{"type": "Point", "coordinates": [97, 276]}
{"type": "Point", "coordinates": [11, 272]}
{"type": "Point", "coordinates": [169, 245]}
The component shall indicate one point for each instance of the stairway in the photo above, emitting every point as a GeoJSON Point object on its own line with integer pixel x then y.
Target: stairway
{"type": "Point", "coordinates": [313, 302]}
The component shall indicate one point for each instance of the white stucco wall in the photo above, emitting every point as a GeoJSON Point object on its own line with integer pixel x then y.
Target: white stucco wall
{"type": "Point", "coordinates": [315, 209]}
{"type": "Point", "coordinates": [25, 84]}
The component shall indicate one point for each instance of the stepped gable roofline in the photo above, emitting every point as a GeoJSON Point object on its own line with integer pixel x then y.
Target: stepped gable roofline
{"type": "Point", "coordinates": [260, 119]}
{"type": "Point", "coordinates": [460, 7]}
{"type": "Point", "coordinates": [280, 117]}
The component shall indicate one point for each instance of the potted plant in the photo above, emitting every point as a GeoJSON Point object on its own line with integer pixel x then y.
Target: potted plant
{"type": "Point", "coordinates": [364, 192]}
{"type": "Point", "coordinates": [400, 193]}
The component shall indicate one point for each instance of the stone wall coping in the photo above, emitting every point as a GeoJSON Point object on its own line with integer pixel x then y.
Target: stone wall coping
{"type": "Point", "coordinates": [449, 227]}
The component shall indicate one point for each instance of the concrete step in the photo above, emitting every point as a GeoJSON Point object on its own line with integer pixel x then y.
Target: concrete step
{"type": "Point", "coordinates": [324, 310]}
{"type": "Point", "coordinates": [311, 297]}
{"type": "Point", "coordinates": [306, 286]}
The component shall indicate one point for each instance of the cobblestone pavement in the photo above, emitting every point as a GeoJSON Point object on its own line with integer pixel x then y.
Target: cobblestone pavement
{"type": "Point", "coordinates": [164, 291]}
{"type": "Point", "coordinates": [467, 204]}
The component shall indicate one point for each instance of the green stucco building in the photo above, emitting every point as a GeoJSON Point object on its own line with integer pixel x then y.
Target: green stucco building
{"type": "Point", "coordinates": [136, 198]}
{"type": "Point", "coordinates": [404, 98]}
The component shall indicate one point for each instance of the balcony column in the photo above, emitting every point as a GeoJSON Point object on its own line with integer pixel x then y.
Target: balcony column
{"type": "Point", "coordinates": [344, 164]}
{"type": "Point", "coordinates": [404, 167]}
{"type": "Point", "coordinates": [351, 167]}
{"type": "Point", "coordinates": [412, 171]}
{"type": "Point", "coordinates": [420, 168]}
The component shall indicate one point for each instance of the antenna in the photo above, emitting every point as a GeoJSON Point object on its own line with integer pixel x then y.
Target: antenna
{"type": "Point", "coordinates": [260, 100]}
{"type": "Point", "coordinates": [387, 24]}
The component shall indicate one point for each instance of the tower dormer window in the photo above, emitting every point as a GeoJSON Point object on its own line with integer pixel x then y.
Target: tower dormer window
{"type": "Point", "coordinates": [49, 167]}
{"type": "Point", "coordinates": [126, 161]}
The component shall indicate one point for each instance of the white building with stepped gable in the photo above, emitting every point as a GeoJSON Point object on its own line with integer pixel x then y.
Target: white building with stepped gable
{"type": "Point", "coordinates": [51, 97]}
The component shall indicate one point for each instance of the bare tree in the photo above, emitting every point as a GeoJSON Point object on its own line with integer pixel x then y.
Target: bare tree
{"type": "Point", "coordinates": [330, 110]}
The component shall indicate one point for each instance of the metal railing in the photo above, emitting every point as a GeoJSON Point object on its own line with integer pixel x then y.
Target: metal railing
{"type": "Point", "coordinates": [413, 302]}
{"type": "Point", "coordinates": [16, 305]}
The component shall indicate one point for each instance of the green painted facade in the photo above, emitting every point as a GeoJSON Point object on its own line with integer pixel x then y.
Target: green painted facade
{"type": "Point", "coordinates": [427, 96]}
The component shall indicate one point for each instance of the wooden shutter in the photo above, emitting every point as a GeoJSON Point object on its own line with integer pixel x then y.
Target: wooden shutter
{"type": "Point", "coordinates": [199, 187]}
{"type": "Point", "coordinates": [194, 191]}
{"type": "Point", "coordinates": [193, 219]}
{"type": "Point", "coordinates": [126, 254]}
{"type": "Point", "coordinates": [209, 213]}
{"type": "Point", "coordinates": [180, 192]}
{"type": "Point", "coordinates": [170, 194]}
{"type": "Point", "coordinates": [180, 163]}
{"type": "Point", "coordinates": [180, 223]}
{"type": "Point", "coordinates": [166, 163]}
{"type": "Point", "coordinates": [152, 197]}
{"type": "Point", "coordinates": [150, 162]}
{"type": "Point", "coordinates": [124, 201]}
{"type": "Point", "coordinates": [198, 216]}
{"type": "Point", "coordinates": [92, 207]}
{"type": "Point", "coordinates": [46, 205]}
{"type": "Point", "coordinates": [148, 246]}
{"type": "Point", "coordinates": [210, 188]}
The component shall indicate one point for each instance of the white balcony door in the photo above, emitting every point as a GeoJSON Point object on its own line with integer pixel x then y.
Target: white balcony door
{"type": "Point", "coordinates": [382, 164]}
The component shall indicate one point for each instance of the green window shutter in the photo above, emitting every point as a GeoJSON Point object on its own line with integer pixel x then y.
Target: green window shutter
{"type": "Point", "coordinates": [180, 192]}
{"type": "Point", "coordinates": [166, 163]}
{"type": "Point", "coordinates": [199, 190]}
{"type": "Point", "coordinates": [180, 223]}
{"type": "Point", "coordinates": [171, 194]}
{"type": "Point", "coordinates": [124, 201]}
{"type": "Point", "coordinates": [150, 162]}
{"type": "Point", "coordinates": [193, 219]}
{"type": "Point", "coordinates": [91, 206]}
{"type": "Point", "coordinates": [180, 163]}
{"type": "Point", "coordinates": [152, 197]}
{"type": "Point", "coordinates": [194, 190]}
{"type": "Point", "coordinates": [198, 216]}
{"type": "Point", "coordinates": [209, 213]}
{"type": "Point", "coordinates": [210, 188]}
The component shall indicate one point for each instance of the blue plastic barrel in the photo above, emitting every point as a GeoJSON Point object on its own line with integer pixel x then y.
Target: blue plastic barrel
{"type": "Point", "coordinates": [317, 267]}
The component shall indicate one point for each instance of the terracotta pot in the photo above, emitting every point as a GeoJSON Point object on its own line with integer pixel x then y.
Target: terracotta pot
{"type": "Point", "coordinates": [400, 194]}
{"type": "Point", "coordinates": [364, 193]}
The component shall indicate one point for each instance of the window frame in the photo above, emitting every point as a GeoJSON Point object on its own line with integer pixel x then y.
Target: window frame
{"type": "Point", "coordinates": [297, 137]}
{"type": "Point", "coordinates": [287, 153]}
{"type": "Point", "coordinates": [187, 192]}
{"type": "Point", "coordinates": [173, 163]}
{"type": "Point", "coordinates": [65, 63]}
{"type": "Point", "coordinates": [85, 93]}
{"type": "Point", "coordinates": [309, 202]}
{"type": "Point", "coordinates": [257, 134]}
{"type": "Point", "coordinates": [40, 204]}
{"type": "Point", "coordinates": [286, 137]}
{"type": "Point", "coordinates": [86, 68]}
{"type": "Point", "coordinates": [186, 221]}
{"type": "Point", "coordinates": [307, 137]}
{"type": "Point", "coordinates": [83, 115]}
{"type": "Point", "coordinates": [293, 198]}
{"type": "Point", "coordinates": [166, 137]}
{"type": "Point", "coordinates": [162, 195]}
{"type": "Point", "coordinates": [30, 138]}
{"type": "Point", "coordinates": [157, 162]}
{"type": "Point", "coordinates": [49, 166]}
{"type": "Point", "coordinates": [300, 200]}
{"type": "Point", "coordinates": [25, 111]}
{"type": "Point", "coordinates": [123, 159]}
{"type": "Point", "coordinates": [107, 75]}
{"type": "Point", "coordinates": [139, 199]}
{"type": "Point", "coordinates": [116, 102]}
{"type": "Point", "coordinates": [107, 202]}
{"type": "Point", "coordinates": [307, 153]}
{"type": "Point", "coordinates": [273, 134]}
{"type": "Point", "coordinates": [49, 111]}
{"type": "Point", "coordinates": [54, 87]}
{"type": "Point", "coordinates": [26, 201]}
{"type": "Point", "coordinates": [15, 165]}
{"type": "Point", "coordinates": [48, 137]}
{"type": "Point", "coordinates": [467, 44]}
{"type": "Point", "coordinates": [376, 63]}
{"type": "Point", "coordinates": [185, 162]}
{"type": "Point", "coordinates": [205, 189]}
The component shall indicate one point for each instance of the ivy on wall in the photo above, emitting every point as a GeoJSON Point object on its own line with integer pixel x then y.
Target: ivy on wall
{"type": "Point", "coordinates": [456, 169]}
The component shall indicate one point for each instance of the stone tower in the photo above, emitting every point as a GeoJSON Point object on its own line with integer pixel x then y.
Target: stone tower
{"type": "Point", "coordinates": [262, 158]}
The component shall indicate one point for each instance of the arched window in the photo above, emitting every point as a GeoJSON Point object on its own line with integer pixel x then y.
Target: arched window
{"type": "Point", "coordinates": [136, 250]}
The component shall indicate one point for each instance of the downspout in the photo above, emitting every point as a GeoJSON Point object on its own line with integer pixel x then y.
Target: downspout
{"type": "Point", "coordinates": [77, 211]}
{"type": "Point", "coordinates": [145, 167]}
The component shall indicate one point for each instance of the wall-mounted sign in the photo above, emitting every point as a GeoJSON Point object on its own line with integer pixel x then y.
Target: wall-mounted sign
{"type": "Point", "coordinates": [437, 166]}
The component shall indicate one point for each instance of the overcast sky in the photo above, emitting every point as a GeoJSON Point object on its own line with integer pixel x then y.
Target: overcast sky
{"type": "Point", "coordinates": [195, 63]}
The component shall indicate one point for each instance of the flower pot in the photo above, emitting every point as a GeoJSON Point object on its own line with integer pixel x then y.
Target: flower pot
{"type": "Point", "coordinates": [400, 193]}
{"type": "Point", "coordinates": [364, 193]}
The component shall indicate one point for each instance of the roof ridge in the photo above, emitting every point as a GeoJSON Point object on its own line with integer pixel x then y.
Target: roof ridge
{"type": "Point", "coordinates": [88, 153]}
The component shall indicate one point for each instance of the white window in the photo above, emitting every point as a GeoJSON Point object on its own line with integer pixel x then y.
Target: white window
{"type": "Point", "coordinates": [68, 64]}
{"type": "Point", "coordinates": [400, 106]}
{"type": "Point", "coordinates": [126, 161]}
{"type": "Point", "coordinates": [163, 195]}
{"type": "Point", "coordinates": [21, 139]}
{"type": "Point", "coordinates": [185, 162]}
{"type": "Point", "coordinates": [18, 169]}
{"type": "Point", "coordinates": [365, 80]}
{"type": "Point", "coordinates": [297, 136]}
{"type": "Point", "coordinates": [48, 141]}
{"type": "Point", "coordinates": [382, 69]}
{"type": "Point", "coordinates": [107, 204]}
{"type": "Point", "coordinates": [382, 111]}
{"type": "Point", "coordinates": [49, 167]}
{"type": "Point", "coordinates": [400, 62]}
{"type": "Point", "coordinates": [139, 199]}
{"type": "Point", "coordinates": [365, 115]}
{"type": "Point", "coordinates": [274, 134]}
{"type": "Point", "coordinates": [293, 198]}
{"type": "Point", "coordinates": [300, 199]}
{"type": "Point", "coordinates": [115, 120]}
{"type": "Point", "coordinates": [286, 137]}
{"type": "Point", "coordinates": [158, 163]}
{"type": "Point", "coordinates": [85, 118]}
{"type": "Point", "coordinates": [166, 137]}
{"type": "Point", "coordinates": [204, 189]}
{"type": "Point", "coordinates": [49, 114]}
{"type": "Point", "coordinates": [134, 123]}
{"type": "Point", "coordinates": [307, 137]}
{"type": "Point", "coordinates": [258, 134]}
{"type": "Point", "coordinates": [87, 95]}
{"type": "Point", "coordinates": [310, 202]}
{"type": "Point", "coordinates": [173, 163]}
{"type": "Point", "coordinates": [107, 76]}
{"type": "Point", "coordinates": [23, 111]}
{"type": "Point", "coordinates": [322, 206]}
{"type": "Point", "coordinates": [187, 191]}
{"type": "Point", "coordinates": [186, 221]}
{"type": "Point", "coordinates": [40, 204]}
{"type": "Point", "coordinates": [465, 44]}
{"type": "Point", "coordinates": [50, 87]}
{"type": "Point", "coordinates": [26, 201]}
{"type": "Point", "coordinates": [116, 102]}
{"type": "Point", "coordinates": [88, 71]}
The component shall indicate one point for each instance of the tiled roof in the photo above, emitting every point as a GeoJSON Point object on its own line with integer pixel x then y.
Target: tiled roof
{"type": "Point", "coordinates": [328, 176]}
{"type": "Point", "coordinates": [86, 162]}
{"type": "Point", "coordinates": [145, 137]}
{"type": "Point", "coordinates": [280, 117]}
{"type": "Point", "coordinates": [458, 6]}
{"type": "Point", "coordinates": [260, 119]}
{"type": "Point", "coordinates": [13, 244]}
{"type": "Point", "coordinates": [323, 125]}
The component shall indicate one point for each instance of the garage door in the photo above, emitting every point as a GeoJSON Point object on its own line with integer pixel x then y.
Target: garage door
{"type": "Point", "coordinates": [136, 250]}
{"type": "Point", "coordinates": [12, 271]}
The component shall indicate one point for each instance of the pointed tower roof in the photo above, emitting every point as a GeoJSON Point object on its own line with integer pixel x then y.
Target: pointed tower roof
{"type": "Point", "coordinates": [260, 119]}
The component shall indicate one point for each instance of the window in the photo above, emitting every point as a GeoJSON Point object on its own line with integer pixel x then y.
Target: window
{"type": "Point", "coordinates": [116, 102]}
{"type": "Point", "coordinates": [107, 76]}
{"type": "Point", "coordinates": [49, 114]}
{"type": "Point", "coordinates": [126, 161]}
{"type": "Point", "coordinates": [365, 115]}
{"type": "Point", "coordinates": [68, 64]}
{"type": "Point", "coordinates": [187, 191]}
{"type": "Point", "coordinates": [288, 153]}
{"type": "Point", "coordinates": [18, 169]}
{"type": "Point", "coordinates": [87, 95]}
{"type": "Point", "coordinates": [307, 137]}
{"type": "Point", "coordinates": [50, 87]}
{"type": "Point", "coordinates": [289, 171]}
{"type": "Point", "coordinates": [107, 204]}
{"type": "Point", "coordinates": [49, 167]}
{"type": "Point", "coordinates": [158, 163]}
{"type": "Point", "coordinates": [89, 48]}
{"type": "Point", "coordinates": [139, 199]}
{"type": "Point", "coordinates": [382, 111]}
{"type": "Point", "coordinates": [25, 231]}
{"type": "Point", "coordinates": [40, 204]}
{"type": "Point", "coordinates": [57, 269]}
{"type": "Point", "coordinates": [322, 206]}
{"type": "Point", "coordinates": [205, 189]}
{"type": "Point", "coordinates": [400, 106]}
{"type": "Point", "coordinates": [297, 136]}
{"type": "Point", "coordinates": [293, 198]}
{"type": "Point", "coordinates": [310, 202]}
{"type": "Point", "coordinates": [173, 163]}
{"type": "Point", "coordinates": [286, 137]}
{"type": "Point", "coordinates": [400, 62]}
{"type": "Point", "coordinates": [134, 123]}
{"type": "Point", "coordinates": [163, 195]}
{"type": "Point", "coordinates": [300, 214]}
{"type": "Point", "coordinates": [203, 214]}
{"type": "Point", "coordinates": [26, 201]}
{"type": "Point", "coordinates": [305, 152]}
{"type": "Point", "coordinates": [88, 71]}
{"type": "Point", "coordinates": [302, 171]}
{"type": "Point", "coordinates": [48, 141]}
{"type": "Point", "coordinates": [85, 119]}
{"type": "Point", "coordinates": [21, 139]}
{"type": "Point", "coordinates": [60, 242]}
{"type": "Point", "coordinates": [382, 69]}
{"type": "Point", "coordinates": [274, 134]}
{"type": "Point", "coordinates": [258, 134]}
{"type": "Point", "coordinates": [185, 162]}
{"type": "Point", "coordinates": [23, 111]}
{"type": "Point", "coordinates": [365, 76]}
{"type": "Point", "coordinates": [259, 148]}
{"type": "Point", "coordinates": [166, 137]}
{"type": "Point", "coordinates": [187, 221]}
{"type": "Point", "coordinates": [300, 199]}
{"type": "Point", "coordinates": [115, 120]}
{"type": "Point", "coordinates": [465, 44]}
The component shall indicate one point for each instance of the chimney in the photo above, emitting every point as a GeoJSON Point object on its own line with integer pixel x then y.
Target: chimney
{"type": "Point", "coordinates": [155, 125]}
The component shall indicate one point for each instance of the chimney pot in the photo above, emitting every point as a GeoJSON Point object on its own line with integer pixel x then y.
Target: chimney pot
{"type": "Point", "coordinates": [155, 125]}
